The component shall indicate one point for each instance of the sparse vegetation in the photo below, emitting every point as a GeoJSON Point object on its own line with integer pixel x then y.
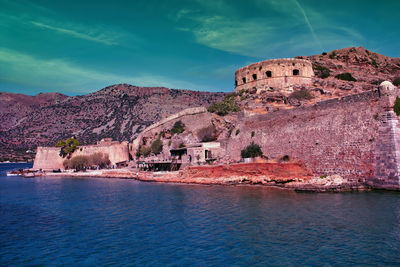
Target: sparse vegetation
{"type": "Point", "coordinates": [346, 77]}
{"type": "Point", "coordinates": [99, 159]}
{"type": "Point", "coordinates": [251, 151]}
{"type": "Point", "coordinates": [396, 81]}
{"type": "Point", "coordinates": [68, 146]}
{"type": "Point", "coordinates": [321, 71]}
{"type": "Point", "coordinates": [143, 151]}
{"type": "Point", "coordinates": [373, 62]}
{"type": "Point", "coordinates": [83, 162]}
{"type": "Point", "coordinates": [332, 55]}
{"type": "Point", "coordinates": [207, 134]}
{"type": "Point", "coordinates": [178, 128]}
{"type": "Point", "coordinates": [78, 163]}
{"type": "Point", "coordinates": [323, 176]}
{"type": "Point", "coordinates": [182, 145]}
{"type": "Point", "coordinates": [224, 107]}
{"type": "Point", "coordinates": [396, 107]}
{"type": "Point", "coordinates": [157, 146]}
{"type": "Point", "coordinates": [237, 132]}
{"type": "Point", "coordinates": [252, 134]}
{"type": "Point", "coordinates": [302, 94]}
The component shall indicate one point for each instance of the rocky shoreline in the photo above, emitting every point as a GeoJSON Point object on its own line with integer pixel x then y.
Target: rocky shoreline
{"type": "Point", "coordinates": [290, 176]}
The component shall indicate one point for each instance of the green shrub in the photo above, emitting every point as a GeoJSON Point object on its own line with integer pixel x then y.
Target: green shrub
{"type": "Point", "coordinates": [68, 146]}
{"type": "Point", "coordinates": [99, 159]}
{"type": "Point", "coordinates": [182, 145]}
{"type": "Point", "coordinates": [374, 63]}
{"type": "Point", "coordinates": [301, 94]}
{"type": "Point", "coordinates": [321, 71]}
{"type": "Point", "coordinates": [252, 134]}
{"type": "Point", "coordinates": [323, 176]}
{"type": "Point", "coordinates": [157, 146]}
{"type": "Point", "coordinates": [346, 77]}
{"type": "Point", "coordinates": [207, 134]}
{"type": "Point", "coordinates": [78, 163]}
{"type": "Point", "coordinates": [224, 107]}
{"type": "Point", "coordinates": [178, 128]}
{"type": "Point", "coordinates": [143, 151]}
{"type": "Point", "coordinates": [237, 132]}
{"type": "Point", "coordinates": [251, 151]}
{"type": "Point", "coordinates": [396, 107]}
{"type": "Point", "coordinates": [396, 81]}
{"type": "Point", "coordinates": [332, 55]}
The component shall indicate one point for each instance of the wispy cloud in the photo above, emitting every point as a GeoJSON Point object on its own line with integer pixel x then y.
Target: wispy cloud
{"type": "Point", "coordinates": [307, 21]}
{"type": "Point", "coordinates": [219, 25]}
{"type": "Point", "coordinates": [61, 74]}
{"type": "Point", "coordinates": [79, 32]}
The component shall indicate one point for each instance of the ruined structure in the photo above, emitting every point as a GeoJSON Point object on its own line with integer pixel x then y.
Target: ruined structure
{"type": "Point", "coordinates": [48, 158]}
{"type": "Point", "coordinates": [281, 74]}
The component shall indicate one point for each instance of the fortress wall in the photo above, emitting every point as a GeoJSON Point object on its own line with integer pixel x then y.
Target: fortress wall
{"type": "Point", "coordinates": [116, 152]}
{"type": "Point", "coordinates": [281, 74]}
{"type": "Point", "coordinates": [193, 118]}
{"type": "Point", "coordinates": [338, 136]}
{"type": "Point", "coordinates": [48, 158]}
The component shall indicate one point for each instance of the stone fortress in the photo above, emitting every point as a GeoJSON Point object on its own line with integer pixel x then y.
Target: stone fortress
{"type": "Point", "coordinates": [356, 137]}
{"type": "Point", "coordinates": [273, 74]}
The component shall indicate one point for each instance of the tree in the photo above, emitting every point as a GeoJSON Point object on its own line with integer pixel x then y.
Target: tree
{"type": "Point", "coordinates": [251, 151]}
{"type": "Point", "coordinates": [99, 159]}
{"type": "Point", "coordinates": [68, 147]}
{"type": "Point", "coordinates": [157, 146]}
{"type": "Point", "coordinates": [178, 128]}
{"type": "Point", "coordinates": [78, 163]}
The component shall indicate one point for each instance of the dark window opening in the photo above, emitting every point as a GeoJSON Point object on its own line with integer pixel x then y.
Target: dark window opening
{"type": "Point", "coordinates": [244, 80]}
{"type": "Point", "coordinates": [268, 73]}
{"type": "Point", "coordinates": [254, 76]}
{"type": "Point", "coordinates": [236, 83]}
{"type": "Point", "coordinates": [296, 72]}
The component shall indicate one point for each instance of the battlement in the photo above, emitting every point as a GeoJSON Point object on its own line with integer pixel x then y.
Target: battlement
{"type": "Point", "coordinates": [275, 73]}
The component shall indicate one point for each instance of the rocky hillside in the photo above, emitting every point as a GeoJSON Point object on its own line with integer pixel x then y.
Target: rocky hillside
{"type": "Point", "coordinates": [119, 111]}
{"type": "Point", "coordinates": [337, 73]}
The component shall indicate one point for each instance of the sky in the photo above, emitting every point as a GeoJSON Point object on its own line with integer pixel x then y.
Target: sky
{"type": "Point", "coordinates": [78, 47]}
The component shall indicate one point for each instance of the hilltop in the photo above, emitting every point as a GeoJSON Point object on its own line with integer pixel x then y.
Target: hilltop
{"type": "Point", "coordinates": [119, 111]}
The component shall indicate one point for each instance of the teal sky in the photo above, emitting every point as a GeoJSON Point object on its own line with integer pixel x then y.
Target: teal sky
{"type": "Point", "coordinates": [77, 47]}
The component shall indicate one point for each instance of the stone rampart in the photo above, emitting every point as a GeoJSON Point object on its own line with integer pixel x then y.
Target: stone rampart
{"type": "Point", "coordinates": [48, 158]}
{"type": "Point", "coordinates": [275, 73]}
{"type": "Point", "coordinates": [347, 136]}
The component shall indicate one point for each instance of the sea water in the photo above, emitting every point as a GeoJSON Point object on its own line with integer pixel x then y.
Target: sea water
{"type": "Point", "coordinates": [96, 221]}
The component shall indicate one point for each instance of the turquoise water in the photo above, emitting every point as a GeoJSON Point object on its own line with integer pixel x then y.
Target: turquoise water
{"type": "Point", "coordinates": [87, 222]}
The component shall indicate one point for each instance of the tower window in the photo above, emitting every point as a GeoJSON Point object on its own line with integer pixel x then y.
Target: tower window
{"type": "Point", "coordinates": [236, 83]}
{"type": "Point", "coordinates": [254, 76]}
{"type": "Point", "coordinates": [268, 73]}
{"type": "Point", "coordinates": [244, 79]}
{"type": "Point", "coordinates": [296, 72]}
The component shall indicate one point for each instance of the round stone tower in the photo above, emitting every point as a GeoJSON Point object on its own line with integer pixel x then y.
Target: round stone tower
{"type": "Point", "coordinates": [276, 73]}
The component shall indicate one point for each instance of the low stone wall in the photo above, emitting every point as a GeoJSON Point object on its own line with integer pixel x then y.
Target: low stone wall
{"type": "Point", "coordinates": [48, 158]}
